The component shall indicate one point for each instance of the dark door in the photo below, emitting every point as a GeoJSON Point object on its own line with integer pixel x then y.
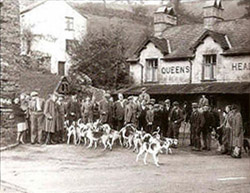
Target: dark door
{"type": "Point", "coordinates": [61, 68]}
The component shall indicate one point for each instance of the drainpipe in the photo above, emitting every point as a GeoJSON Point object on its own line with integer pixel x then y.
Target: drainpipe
{"type": "Point", "coordinates": [191, 69]}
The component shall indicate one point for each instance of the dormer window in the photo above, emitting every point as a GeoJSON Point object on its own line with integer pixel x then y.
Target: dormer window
{"type": "Point", "coordinates": [208, 67]}
{"type": "Point", "coordinates": [151, 70]}
{"type": "Point", "coordinates": [69, 23]}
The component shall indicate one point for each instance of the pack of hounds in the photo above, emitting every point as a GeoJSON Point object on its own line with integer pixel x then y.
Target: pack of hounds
{"type": "Point", "coordinates": [92, 134]}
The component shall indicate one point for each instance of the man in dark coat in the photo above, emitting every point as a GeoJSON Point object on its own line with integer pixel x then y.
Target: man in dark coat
{"type": "Point", "coordinates": [104, 108]}
{"type": "Point", "coordinates": [119, 110]}
{"type": "Point", "coordinates": [207, 128]}
{"type": "Point", "coordinates": [157, 117]}
{"type": "Point", "coordinates": [176, 117]}
{"type": "Point", "coordinates": [50, 118]}
{"type": "Point", "coordinates": [142, 116]}
{"type": "Point", "coordinates": [60, 114]}
{"type": "Point", "coordinates": [87, 110]}
{"type": "Point", "coordinates": [131, 113]}
{"type": "Point", "coordinates": [165, 119]}
{"type": "Point", "coordinates": [73, 110]}
{"type": "Point", "coordinates": [196, 123]}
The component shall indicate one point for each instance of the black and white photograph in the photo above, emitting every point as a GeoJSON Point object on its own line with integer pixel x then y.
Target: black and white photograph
{"type": "Point", "coordinates": [125, 96]}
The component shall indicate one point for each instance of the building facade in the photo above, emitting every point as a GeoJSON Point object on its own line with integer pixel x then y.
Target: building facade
{"type": "Point", "coordinates": [9, 60]}
{"type": "Point", "coordinates": [55, 26]}
{"type": "Point", "coordinates": [212, 58]}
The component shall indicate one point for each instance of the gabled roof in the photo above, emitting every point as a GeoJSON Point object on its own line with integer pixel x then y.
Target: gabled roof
{"type": "Point", "coordinates": [159, 43]}
{"type": "Point", "coordinates": [217, 37]}
{"type": "Point", "coordinates": [34, 5]}
{"type": "Point", "coordinates": [184, 38]}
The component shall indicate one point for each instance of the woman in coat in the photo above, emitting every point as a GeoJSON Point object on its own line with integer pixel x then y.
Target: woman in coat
{"type": "Point", "coordinates": [19, 116]}
{"type": "Point", "coordinates": [50, 118]}
{"type": "Point", "coordinates": [237, 132]}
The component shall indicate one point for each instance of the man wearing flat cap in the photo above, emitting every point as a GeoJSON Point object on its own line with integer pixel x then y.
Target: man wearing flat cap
{"type": "Point", "coordinates": [144, 96]}
{"type": "Point", "coordinates": [130, 115]}
{"type": "Point", "coordinates": [104, 108]}
{"type": "Point", "coordinates": [176, 117]}
{"type": "Point", "coordinates": [196, 122]}
{"type": "Point", "coordinates": [73, 110]}
{"type": "Point", "coordinates": [36, 107]}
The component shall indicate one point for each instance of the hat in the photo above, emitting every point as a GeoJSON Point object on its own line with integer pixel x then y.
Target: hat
{"type": "Point", "coordinates": [156, 105]}
{"type": "Point", "coordinates": [167, 101]}
{"type": "Point", "coordinates": [106, 95]}
{"type": "Point", "coordinates": [175, 103]}
{"type": "Point", "coordinates": [34, 93]}
{"type": "Point", "coordinates": [130, 98]}
{"type": "Point", "coordinates": [152, 101]}
{"type": "Point", "coordinates": [143, 89]}
{"type": "Point", "coordinates": [195, 105]}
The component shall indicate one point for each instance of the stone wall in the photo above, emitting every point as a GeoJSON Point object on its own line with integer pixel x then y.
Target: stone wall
{"type": "Point", "coordinates": [10, 58]}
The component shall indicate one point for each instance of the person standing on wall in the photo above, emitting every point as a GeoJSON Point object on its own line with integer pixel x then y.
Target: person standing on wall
{"type": "Point", "coordinates": [144, 96]}
{"type": "Point", "coordinates": [36, 108]}
{"type": "Point", "coordinates": [203, 101]}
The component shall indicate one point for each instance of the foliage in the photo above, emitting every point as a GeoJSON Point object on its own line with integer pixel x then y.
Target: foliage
{"type": "Point", "coordinates": [102, 58]}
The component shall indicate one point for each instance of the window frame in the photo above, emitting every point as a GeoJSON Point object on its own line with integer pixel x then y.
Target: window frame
{"type": "Point", "coordinates": [69, 25]}
{"type": "Point", "coordinates": [153, 71]}
{"type": "Point", "coordinates": [213, 62]}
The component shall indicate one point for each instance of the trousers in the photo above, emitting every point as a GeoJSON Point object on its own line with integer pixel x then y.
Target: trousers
{"type": "Point", "coordinates": [36, 127]}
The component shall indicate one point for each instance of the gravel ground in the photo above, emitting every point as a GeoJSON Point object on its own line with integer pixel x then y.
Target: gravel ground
{"type": "Point", "coordinates": [75, 169]}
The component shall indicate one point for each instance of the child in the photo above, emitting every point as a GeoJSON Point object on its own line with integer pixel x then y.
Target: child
{"type": "Point", "coordinates": [19, 116]}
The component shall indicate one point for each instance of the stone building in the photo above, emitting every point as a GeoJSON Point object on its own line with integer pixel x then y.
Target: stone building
{"type": "Point", "coordinates": [181, 62]}
{"type": "Point", "coordinates": [9, 54]}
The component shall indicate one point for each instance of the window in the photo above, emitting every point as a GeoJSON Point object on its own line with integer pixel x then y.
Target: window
{"type": "Point", "coordinates": [69, 23]}
{"type": "Point", "coordinates": [151, 70]}
{"type": "Point", "coordinates": [209, 62]}
{"type": "Point", "coordinates": [61, 68]}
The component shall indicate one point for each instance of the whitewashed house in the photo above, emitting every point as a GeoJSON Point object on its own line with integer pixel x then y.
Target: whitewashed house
{"type": "Point", "coordinates": [55, 25]}
{"type": "Point", "coordinates": [181, 62]}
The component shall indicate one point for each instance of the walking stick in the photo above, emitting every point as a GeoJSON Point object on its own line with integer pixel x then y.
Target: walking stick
{"type": "Point", "coordinates": [184, 132]}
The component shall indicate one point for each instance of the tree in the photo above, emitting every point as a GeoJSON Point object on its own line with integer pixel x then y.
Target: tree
{"type": "Point", "coordinates": [102, 58]}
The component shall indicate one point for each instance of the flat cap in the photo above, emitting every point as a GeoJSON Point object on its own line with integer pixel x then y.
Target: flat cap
{"type": "Point", "coordinates": [195, 105]}
{"type": "Point", "coordinates": [34, 93]}
{"type": "Point", "coordinates": [175, 103]}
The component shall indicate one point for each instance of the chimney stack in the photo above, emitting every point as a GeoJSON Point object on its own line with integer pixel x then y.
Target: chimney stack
{"type": "Point", "coordinates": [212, 13]}
{"type": "Point", "coordinates": [164, 17]}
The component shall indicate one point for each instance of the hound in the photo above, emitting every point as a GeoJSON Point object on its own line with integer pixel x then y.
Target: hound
{"type": "Point", "coordinates": [71, 130]}
{"type": "Point", "coordinates": [127, 133]}
{"type": "Point", "coordinates": [154, 149]}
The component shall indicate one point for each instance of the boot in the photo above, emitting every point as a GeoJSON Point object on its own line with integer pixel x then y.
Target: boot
{"type": "Point", "coordinates": [18, 137]}
{"type": "Point", "coordinates": [47, 141]}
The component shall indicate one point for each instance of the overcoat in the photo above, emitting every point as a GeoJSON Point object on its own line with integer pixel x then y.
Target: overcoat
{"type": "Point", "coordinates": [50, 116]}
{"type": "Point", "coordinates": [104, 108]}
{"type": "Point", "coordinates": [131, 113]}
{"type": "Point", "coordinates": [237, 129]}
{"type": "Point", "coordinates": [119, 110]}
{"type": "Point", "coordinates": [60, 111]}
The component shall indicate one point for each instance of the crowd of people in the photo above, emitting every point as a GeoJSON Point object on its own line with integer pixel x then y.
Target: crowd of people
{"type": "Point", "coordinates": [43, 120]}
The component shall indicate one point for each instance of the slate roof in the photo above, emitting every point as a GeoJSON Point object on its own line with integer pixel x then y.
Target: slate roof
{"type": "Point", "coordinates": [184, 38]}
{"type": "Point", "coordinates": [208, 88]}
{"type": "Point", "coordinates": [161, 44]}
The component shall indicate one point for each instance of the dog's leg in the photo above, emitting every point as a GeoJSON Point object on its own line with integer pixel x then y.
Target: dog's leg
{"type": "Point", "coordinates": [120, 140]}
{"type": "Point", "coordinates": [170, 151]}
{"type": "Point", "coordinates": [68, 139]}
{"type": "Point", "coordinates": [139, 154]}
{"type": "Point", "coordinates": [155, 159]}
{"type": "Point", "coordinates": [90, 143]}
{"type": "Point", "coordinates": [145, 158]}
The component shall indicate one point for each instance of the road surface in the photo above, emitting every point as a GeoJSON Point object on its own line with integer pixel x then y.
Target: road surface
{"type": "Point", "coordinates": [75, 169]}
